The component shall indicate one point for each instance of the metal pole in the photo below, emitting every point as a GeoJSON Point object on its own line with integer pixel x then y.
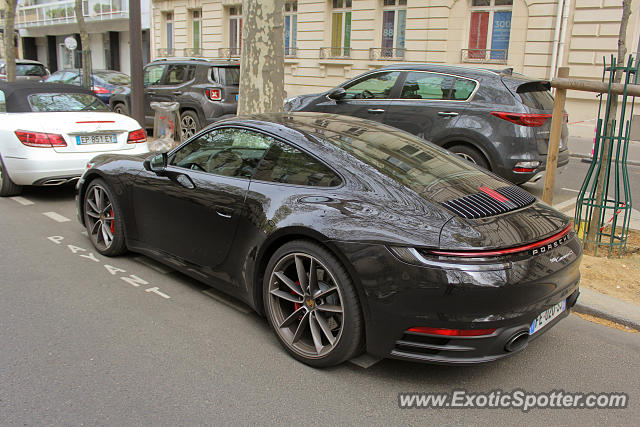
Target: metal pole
{"type": "Point", "coordinates": [135, 46]}
{"type": "Point", "coordinates": [557, 121]}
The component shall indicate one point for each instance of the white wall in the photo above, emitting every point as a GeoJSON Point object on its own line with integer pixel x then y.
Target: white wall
{"type": "Point", "coordinates": [96, 44]}
{"type": "Point", "coordinates": [125, 60]}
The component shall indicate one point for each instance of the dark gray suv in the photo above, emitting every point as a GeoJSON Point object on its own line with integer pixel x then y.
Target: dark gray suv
{"type": "Point", "coordinates": [206, 90]}
{"type": "Point", "coordinates": [499, 120]}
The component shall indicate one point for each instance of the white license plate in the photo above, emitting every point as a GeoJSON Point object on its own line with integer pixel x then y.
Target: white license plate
{"type": "Point", "coordinates": [547, 316]}
{"type": "Point", "coordinates": [96, 139]}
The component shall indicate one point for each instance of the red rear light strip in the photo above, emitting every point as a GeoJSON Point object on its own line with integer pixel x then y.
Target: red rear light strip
{"type": "Point", "coordinates": [452, 332]}
{"type": "Point", "coordinates": [523, 119]}
{"type": "Point", "coordinates": [517, 249]}
{"type": "Point", "coordinates": [96, 121]}
{"type": "Point", "coordinates": [493, 194]}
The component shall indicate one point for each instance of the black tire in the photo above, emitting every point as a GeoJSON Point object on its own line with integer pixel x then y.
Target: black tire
{"type": "Point", "coordinates": [189, 124]}
{"type": "Point", "coordinates": [333, 290]}
{"type": "Point", "coordinates": [7, 187]}
{"type": "Point", "coordinates": [120, 108]}
{"type": "Point", "coordinates": [470, 154]}
{"type": "Point", "coordinates": [103, 218]}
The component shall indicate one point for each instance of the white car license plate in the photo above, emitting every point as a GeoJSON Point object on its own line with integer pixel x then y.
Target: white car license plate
{"type": "Point", "coordinates": [547, 316]}
{"type": "Point", "coordinates": [96, 139]}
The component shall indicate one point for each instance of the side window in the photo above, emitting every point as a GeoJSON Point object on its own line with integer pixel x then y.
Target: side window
{"type": "Point", "coordinates": [421, 85]}
{"type": "Point", "coordinates": [3, 103]}
{"type": "Point", "coordinates": [230, 152]}
{"type": "Point", "coordinates": [378, 86]}
{"type": "Point", "coordinates": [153, 74]}
{"type": "Point", "coordinates": [178, 74]}
{"type": "Point", "coordinates": [462, 89]}
{"type": "Point", "coordinates": [286, 164]}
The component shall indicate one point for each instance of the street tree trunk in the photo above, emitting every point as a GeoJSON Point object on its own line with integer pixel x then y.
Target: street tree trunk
{"type": "Point", "coordinates": [9, 46]}
{"type": "Point", "coordinates": [262, 58]}
{"type": "Point", "coordinates": [84, 40]}
{"type": "Point", "coordinates": [595, 224]}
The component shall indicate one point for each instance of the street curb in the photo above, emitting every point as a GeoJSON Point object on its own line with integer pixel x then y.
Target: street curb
{"type": "Point", "coordinates": [596, 312]}
{"type": "Point", "coordinates": [588, 156]}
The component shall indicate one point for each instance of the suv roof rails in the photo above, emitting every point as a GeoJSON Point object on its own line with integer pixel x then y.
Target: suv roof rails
{"type": "Point", "coordinates": [181, 58]}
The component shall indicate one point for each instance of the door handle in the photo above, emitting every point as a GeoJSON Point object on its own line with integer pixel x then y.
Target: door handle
{"type": "Point", "coordinates": [222, 214]}
{"type": "Point", "coordinates": [375, 110]}
{"type": "Point", "coordinates": [447, 113]}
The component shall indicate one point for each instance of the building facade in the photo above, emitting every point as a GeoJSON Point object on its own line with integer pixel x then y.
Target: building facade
{"type": "Point", "coordinates": [44, 24]}
{"type": "Point", "coordinates": [328, 41]}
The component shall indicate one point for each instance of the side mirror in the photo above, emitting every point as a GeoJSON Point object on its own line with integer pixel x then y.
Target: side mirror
{"type": "Point", "coordinates": [337, 94]}
{"type": "Point", "coordinates": [156, 163]}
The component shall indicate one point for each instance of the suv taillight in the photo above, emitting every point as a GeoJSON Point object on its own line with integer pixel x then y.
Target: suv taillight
{"type": "Point", "coordinates": [40, 139]}
{"type": "Point", "coordinates": [214, 94]}
{"type": "Point", "coordinates": [137, 136]}
{"type": "Point", "coordinates": [523, 119]}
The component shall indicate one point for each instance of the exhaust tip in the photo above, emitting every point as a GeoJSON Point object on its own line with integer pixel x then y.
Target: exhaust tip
{"type": "Point", "coordinates": [517, 342]}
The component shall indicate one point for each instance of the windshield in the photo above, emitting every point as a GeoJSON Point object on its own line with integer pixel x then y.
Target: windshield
{"type": "Point", "coordinates": [30, 70]}
{"type": "Point", "coordinates": [50, 102]}
{"type": "Point", "coordinates": [114, 78]}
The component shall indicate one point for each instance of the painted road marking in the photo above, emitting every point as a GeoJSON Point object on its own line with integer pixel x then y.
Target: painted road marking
{"type": "Point", "coordinates": [22, 201]}
{"type": "Point", "coordinates": [565, 204]}
{"type": "Point", "coordinates": [571, 189]}
{"type": "Point", "coordinates": [56, 216]}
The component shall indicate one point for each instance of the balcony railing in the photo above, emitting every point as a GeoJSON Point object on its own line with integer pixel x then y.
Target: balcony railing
{"type": "Point", "coordinates": [493, 56]}
{"type": "Point", "coordinates": [386, 53]}
{"type": "Point", "coordinates": [164, 52]}
{"type": "Point", "coordinates": [335, 52]}
{"type": "Point", "coordinates": [229, 52]}
{"type": "Point", "coordinates": [192, 52]}
{"type": "Point", "coordinates": [63, 12]}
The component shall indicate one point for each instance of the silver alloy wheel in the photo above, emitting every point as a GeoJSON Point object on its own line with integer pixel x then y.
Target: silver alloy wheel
{"type": "Point", "coordinates": [305, 305]}
{"type": "Point", "coordinates": [189, 126]}
{"type": "Point", "coordinates": [466, 157]}
{"type": "Point", "coordinates": [99, 217]}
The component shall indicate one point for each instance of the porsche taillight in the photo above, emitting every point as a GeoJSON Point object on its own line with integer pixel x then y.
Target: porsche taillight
{"type": "Point", "coordinates": [40, 139]}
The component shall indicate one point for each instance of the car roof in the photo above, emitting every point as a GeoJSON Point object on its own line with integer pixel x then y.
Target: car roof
{"type": "Point", "coordinates": [201, 61]}
{"type": "Point", "coordinates": [16, 93]}
{"type": "Point", "coordinates": [24, 61]}
{"type": "Point", "coordinates": [451, 69]}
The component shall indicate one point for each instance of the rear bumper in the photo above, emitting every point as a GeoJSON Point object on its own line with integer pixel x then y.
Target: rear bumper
{"type": "Point", "coordinates": [44, 166]}
{"type": "Point", "coordinates": [505, 296]}
{"type": "Point", "coordinates": [521, 178]}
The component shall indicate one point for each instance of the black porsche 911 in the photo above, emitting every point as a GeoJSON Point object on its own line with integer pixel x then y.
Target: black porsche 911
{"type": "Point", "coordinates": [347, 234]}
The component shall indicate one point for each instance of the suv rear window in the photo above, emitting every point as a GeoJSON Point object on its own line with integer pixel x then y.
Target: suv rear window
{"type": "Point", "coordinates": [539, 100]}
{"type": "Point", "coordinates": [230, 75]}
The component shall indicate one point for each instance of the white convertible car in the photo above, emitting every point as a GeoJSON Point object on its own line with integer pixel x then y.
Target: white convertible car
{"type": "Point", "coordinates": [48, 133]}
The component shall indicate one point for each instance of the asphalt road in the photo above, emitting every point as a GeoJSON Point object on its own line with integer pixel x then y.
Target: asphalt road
{"type": "Point", "coordinates": [80, 343]}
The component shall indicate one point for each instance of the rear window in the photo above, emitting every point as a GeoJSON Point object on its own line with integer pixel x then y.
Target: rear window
{"type": "Point", "coordinates": [540, 100]}
{"type": "Point", "coordinates": [230, 75]}
{"type": "Point", "coordinates": [51, 102]}
{"type": "Point", "coordinates": [115, 78]}
{"type": "Point", "coordinates": [30, 70]}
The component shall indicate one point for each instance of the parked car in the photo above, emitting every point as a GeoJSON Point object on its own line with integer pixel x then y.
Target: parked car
{"type": "Point", "coordinates": [103, 82]}
{"type": "Point", "coordinates": [499, 120]}
{"type": "Point", "coordinates": [348, 234]}
{"type": "Point", "coordinates": [48, 133]}
{"type": "Point", "coordinates": [26, 69]}
{"type": "Point", "coordinates": [206, 90]}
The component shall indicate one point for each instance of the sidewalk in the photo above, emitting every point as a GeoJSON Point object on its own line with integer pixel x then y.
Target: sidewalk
{"type": "Point", "coordinates": [609, 308]}
{"type": "Point", "coordinates": [581, 148]}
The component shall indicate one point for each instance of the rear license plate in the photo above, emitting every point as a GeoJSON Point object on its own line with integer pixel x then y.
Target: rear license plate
{"type": "Point", "coordinates": [96, 139]}
{"type": "Point", "coordinates": [236, 97]}
{"type": "Point", "coordinates": [547, 316]}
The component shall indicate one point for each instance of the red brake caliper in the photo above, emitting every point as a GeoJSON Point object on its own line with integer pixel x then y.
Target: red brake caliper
{"type": "Point", "coordinates": [113, 222]}
{"type": "Point", "coordinates": [296, 305]}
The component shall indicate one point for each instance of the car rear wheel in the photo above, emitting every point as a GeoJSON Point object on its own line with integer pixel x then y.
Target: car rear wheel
{"type": "Point", "coordinates": [120, 109]}
{"type": "Point", "coordinates": [470, 154]}
{"type": "Point", "coordinates": [312, 305]}
{"type": "Point", "coordinates": [103, 219]}
{"type": "Point", "coordinates": [7, 187]}
{"type": "Point", "coordinates": [189, 124]}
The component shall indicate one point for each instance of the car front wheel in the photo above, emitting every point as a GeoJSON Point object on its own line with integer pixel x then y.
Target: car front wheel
{"type": "Point", "coordinates": [103, 219]}
{"type": "Point", "coordinates": [312, 305]}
